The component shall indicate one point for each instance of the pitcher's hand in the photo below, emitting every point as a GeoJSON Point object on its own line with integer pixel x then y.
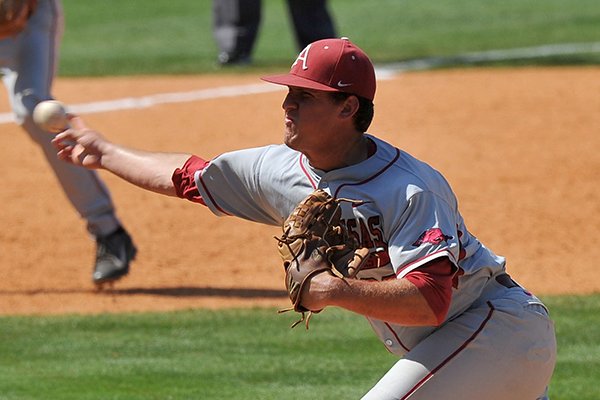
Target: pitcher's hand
{"type": "Point", "coordinates": [80, 145]}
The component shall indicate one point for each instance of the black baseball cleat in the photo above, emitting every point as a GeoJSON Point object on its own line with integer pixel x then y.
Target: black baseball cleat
{"type": "Point", "coordinates": [114, 252]}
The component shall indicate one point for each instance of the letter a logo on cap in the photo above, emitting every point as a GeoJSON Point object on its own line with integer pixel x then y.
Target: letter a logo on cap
{"type": "Point", "coordinates": [303, 56]}
{"type": "Point", "coordinates": [336, 65]}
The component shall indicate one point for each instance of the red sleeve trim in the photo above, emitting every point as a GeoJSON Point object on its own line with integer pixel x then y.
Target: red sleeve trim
{"type": "Point", "coordinates": [426, 259]}
{"type": "Point", "coordinates": [434, 281]}
{"type": "Point", "coordinates": [183, 179]}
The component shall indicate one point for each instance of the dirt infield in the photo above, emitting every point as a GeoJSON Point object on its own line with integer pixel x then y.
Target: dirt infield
{"type": "Point", "coordinates": [521, 147]}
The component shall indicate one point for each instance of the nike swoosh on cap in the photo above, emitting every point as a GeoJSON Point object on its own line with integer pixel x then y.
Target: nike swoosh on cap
{"type": "Point", "coordinates": [340, 84]}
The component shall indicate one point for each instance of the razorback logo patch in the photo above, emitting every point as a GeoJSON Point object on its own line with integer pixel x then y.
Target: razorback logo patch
{"type": "Point", "coordinates": [433, 236]}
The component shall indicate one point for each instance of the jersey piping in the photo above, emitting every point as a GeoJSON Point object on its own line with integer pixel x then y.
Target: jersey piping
{"type": "Point", "coordinates": [396, 336]}
{"type": "Point", "coordinates": [451, 356]}
{"type": "Point", "coordinates": [306, 172]}
{"type": "Point", "coordinates": [406, 268]}
{"type": "Point", "coordinates": [212, 201]}
{"type": "Point", "coordinates": [380, 172]}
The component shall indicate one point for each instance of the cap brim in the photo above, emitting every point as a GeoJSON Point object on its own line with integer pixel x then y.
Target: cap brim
{"type": "Point", "coordinates": [296, 81]}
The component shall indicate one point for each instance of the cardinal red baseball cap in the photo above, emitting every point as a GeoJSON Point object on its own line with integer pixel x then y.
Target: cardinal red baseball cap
{"type": "Point", "coordinates": [333, 65]}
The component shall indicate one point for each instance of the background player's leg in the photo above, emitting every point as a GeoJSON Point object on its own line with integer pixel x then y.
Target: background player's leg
{"type": "Point", "coordinates": [312, 21]}
{"type": "Point", "coordinates": [28, 80]}
{"type": "Point", "coordinates": [28, 84]}
{"type": "Point", "coordinates": [236, 24]}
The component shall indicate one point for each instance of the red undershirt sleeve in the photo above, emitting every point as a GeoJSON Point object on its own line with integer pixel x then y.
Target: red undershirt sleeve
{"type": "Point", "coordinates": [183, 179]}
{"type": "Point", "coordinates": [434, 281]}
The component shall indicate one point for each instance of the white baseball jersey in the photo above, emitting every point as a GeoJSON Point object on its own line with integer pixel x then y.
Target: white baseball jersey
{"type": "Point", "coordinates": [410, 212]}
{"type": "Point", "coordinates": [410, 215]}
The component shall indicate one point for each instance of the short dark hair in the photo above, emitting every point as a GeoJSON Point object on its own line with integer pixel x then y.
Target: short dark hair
{"type": "Point", "coordinates": [366, 110]}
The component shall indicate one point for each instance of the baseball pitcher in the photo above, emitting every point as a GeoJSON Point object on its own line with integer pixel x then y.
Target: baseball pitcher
{"type": "Point", "coordinates": [366, 227]}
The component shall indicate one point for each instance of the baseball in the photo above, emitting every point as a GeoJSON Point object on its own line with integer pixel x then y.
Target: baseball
{"type": "Point", "coordinates": [51, 116]}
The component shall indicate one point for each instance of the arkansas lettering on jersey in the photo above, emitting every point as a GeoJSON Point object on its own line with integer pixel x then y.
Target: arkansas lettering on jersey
{"type": "Point", "coordinates": [369, 234]}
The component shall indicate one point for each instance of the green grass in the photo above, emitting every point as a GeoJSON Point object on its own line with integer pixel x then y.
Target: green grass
{"type": "Point", "coordinates": [239, 354]}
{"type": "Point", "coordinates": [115, 37]}
{"type": "Point", "coordinates": [249, 354]}
{"type": "Point", "coordinates": [577, 321]}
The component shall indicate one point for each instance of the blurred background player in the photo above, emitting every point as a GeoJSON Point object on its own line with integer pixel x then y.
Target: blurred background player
{"type": "Point", "coordinates": [236, 24]}
{"type": "Point", "coordinates": [28, 61]}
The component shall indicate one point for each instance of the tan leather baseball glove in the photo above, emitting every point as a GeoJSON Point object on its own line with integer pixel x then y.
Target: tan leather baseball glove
{"type": "Point", "coordinates": [315, 240]}
{"type": "Point", "coordinates": [14, 15]}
